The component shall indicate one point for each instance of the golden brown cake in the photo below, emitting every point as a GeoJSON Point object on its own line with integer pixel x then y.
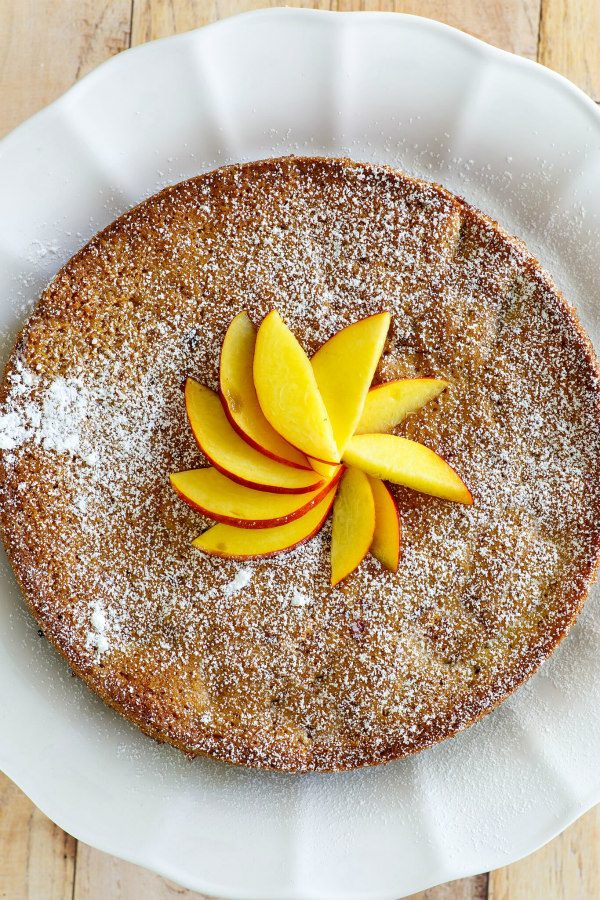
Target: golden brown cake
{"type": "Point", "coordinates": [262, 662]}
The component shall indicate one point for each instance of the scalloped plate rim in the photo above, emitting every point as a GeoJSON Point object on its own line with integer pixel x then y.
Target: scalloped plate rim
{"type": "Point", "coordinates": [89, 80]}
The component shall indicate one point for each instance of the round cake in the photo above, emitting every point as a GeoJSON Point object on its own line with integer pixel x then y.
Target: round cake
{"type": "Point", "coordinates": [262, 662]}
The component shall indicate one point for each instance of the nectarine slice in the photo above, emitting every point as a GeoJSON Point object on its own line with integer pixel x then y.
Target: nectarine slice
{"type": "Point", "coordinates": [246, 543]}
{"type": "Point", "coordinates": [220, 498]}
{"type": "Point", "coordinates": [389, 403]}
{"type": "Point", "coordinates": [287, 391]}
{"type": "Point", "coordinates": [327, 470]}
{"type": "Point", "coordinates": [239, 395]}
{"type": "Point", "coordinates": [353, 524]}
{"type": "Point", "coordinates": [406, 462]}
{"type": "Point", "coordinates": [344, 367]}
{"type": "Point", "coordinates": [385, 545]}
{"type": "Point", "coordinates": [231, 455]}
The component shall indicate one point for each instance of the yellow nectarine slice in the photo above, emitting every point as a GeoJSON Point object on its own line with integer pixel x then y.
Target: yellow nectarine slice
{"type": "Point", "coordinates": [344, 367]}
{"type": "Point", "coordinates": [246, 543]}
{"type": "Point", "coordinates": [389, 403]}
{"type": "Point", "coordinates": [231, 455]}
{"type": "Point", "coordinates": [327, 470]}
{"type": "Point", "coordinates": [239, 395]}
{"type": "Point", "coordinates": [385, 545]}
{"type": "Point", "coordinates": [218, 497]}
{"type": "Point", "coordinates": [353, 524]}
{"type": "Point", "coordinates": [406, 462]}
{"type": "Point", "coordinates": [287, 391]}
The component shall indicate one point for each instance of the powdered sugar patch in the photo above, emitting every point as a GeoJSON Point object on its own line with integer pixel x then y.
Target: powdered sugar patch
{"type": "Point", "coordinates": [51, 420]}
{"type": "Point", "coordinates": [241, 580]}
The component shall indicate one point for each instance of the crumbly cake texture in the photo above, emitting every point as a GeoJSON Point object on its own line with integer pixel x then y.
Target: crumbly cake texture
{"type": "Point", "coordinates": [262, 662]}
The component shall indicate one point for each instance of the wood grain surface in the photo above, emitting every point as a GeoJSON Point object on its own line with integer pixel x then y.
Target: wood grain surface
{"type": "Point", "coordinates": [46, 45]}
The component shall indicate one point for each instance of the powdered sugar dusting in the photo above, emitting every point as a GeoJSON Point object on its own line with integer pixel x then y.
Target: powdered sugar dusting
{"type": "Point", "coordinates": [52, 421]}
{"type": "Point", "coordinates": [299, 600]}
{"type": "Point", "coordinates": [240, 581]}
{"type": "Point", "coordinates": [263, 661]}
{"type": "Point", "coordinates": [96, 636]}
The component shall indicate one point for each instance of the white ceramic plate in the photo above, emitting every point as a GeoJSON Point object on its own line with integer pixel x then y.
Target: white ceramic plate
{"type": "Point", "coordinates": [517, 140]}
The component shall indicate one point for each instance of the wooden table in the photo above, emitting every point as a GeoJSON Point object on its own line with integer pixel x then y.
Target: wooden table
{"type": "Point", "coordinates": [46, 45]}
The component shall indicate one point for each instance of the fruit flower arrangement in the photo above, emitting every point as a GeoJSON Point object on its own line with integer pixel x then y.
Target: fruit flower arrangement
{"type": "Point", "coordinates": [291, 437]}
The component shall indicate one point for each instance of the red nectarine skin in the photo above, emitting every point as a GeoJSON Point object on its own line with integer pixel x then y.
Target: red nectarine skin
{"type": "Point", "coordinates": [265, 555]}
{"type": "Point", "coordinates": [287, 390]}
{"type": "Point", "coordinates": [278, 474]}
{"type": "Point", "coordinates": [222, 438]}
{"type": "Point", "coordinates": [326, 462]}
{"type": "Point", "coordinates": [255, 444]}
{"type": "Point", "coordinates": [239, 398]}
{"type": "Point", "coordinates": [273, 489]}
{"type": "Point", "coordinates": [261, 523]}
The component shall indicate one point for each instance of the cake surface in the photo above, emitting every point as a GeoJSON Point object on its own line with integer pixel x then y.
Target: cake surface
{"type": "Point", "coordinates": [262, 662]}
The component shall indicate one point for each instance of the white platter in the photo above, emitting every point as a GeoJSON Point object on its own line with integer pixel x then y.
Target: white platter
{"type": "Point", "coordinates": [517, 140]}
